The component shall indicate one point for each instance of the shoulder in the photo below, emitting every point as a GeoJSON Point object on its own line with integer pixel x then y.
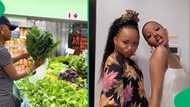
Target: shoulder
{"type": "Point", "coordinates": [111, 60]}
{"type": "Point", "coordinates": [159, 53]}
{"type": "Point", "coordinates": [5, 57]}
{"type": "Point", "coordinates": [161, 50]}
{"type": "Point", "coordinates": [3, 51]}
{"type": "Point", "coordinates": [112, 64]}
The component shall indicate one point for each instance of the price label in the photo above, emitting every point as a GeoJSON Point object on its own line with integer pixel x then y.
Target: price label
{"type": "Point", "coordinates": [73, 16]}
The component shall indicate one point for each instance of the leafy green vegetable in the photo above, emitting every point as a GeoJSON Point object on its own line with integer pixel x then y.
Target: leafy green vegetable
{"type": "Point", "coordinates": [56, 68]}
{"type": "Point", "coordinates": [40, 44]}
{"type": "Point", "coordinates": [74, 62]}
{"type": "Point", "coordinates": [53, 93]}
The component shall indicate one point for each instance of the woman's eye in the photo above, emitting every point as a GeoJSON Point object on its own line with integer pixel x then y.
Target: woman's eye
{"type": "Point", "coordinates": [135, 43]}
{"type": "Point", "coordinates": [148, 36]}
{"type": "Point", "coordinates": [157, 29]}
{"type": "Point", "coordinates": [125, 42]}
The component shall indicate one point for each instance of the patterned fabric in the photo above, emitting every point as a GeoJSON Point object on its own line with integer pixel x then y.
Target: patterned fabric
{"type": "Point", "coordinates": [122, 84]}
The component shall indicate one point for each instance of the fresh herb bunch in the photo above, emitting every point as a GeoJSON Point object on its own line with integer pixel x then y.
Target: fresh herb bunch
{"type": "Point", "coordinates": [40, 44]}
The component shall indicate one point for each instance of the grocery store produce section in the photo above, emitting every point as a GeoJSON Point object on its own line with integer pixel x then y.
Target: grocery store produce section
{"type": "Point", "coordinates": [63, 79]}
{"type": "Point", "coordinates": [64, 84]}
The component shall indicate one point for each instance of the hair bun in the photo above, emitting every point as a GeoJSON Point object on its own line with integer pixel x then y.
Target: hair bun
{"type": "Point", "coordinates": [130, 15]}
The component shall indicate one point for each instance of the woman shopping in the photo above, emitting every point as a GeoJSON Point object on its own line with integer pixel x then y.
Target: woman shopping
{"type": "Point", "coordinates": [8, 72]}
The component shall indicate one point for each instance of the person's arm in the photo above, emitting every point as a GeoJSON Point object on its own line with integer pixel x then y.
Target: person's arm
{"type": "Point", "coordinates": [12, 73]}
{"type": "Point", "coordinates": [15, 75]}
{"type": "Point", "coordinates": [158, 67]}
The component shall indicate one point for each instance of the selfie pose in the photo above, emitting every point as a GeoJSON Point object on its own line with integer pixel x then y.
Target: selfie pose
{"type": "Point", "coordinates": [166, 72]}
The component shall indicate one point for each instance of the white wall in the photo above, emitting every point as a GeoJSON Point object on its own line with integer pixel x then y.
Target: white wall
{"type": "Point", "coordinates": [173, 14]}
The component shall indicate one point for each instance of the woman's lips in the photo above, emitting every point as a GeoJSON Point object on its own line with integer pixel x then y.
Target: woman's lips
{"type": "Point", "coordinates": [162, 42]}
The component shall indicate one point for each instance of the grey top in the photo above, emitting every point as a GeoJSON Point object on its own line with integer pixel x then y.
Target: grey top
{"type": "Point", "coordinates": [6, 83]}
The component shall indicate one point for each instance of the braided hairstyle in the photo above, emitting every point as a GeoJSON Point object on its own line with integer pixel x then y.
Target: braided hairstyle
{"type": "Point", "coordinates": [129, 20]}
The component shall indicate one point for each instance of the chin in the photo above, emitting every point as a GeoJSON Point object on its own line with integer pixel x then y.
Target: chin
{"type": "Point", "coordinates": [154, 45]}
{"type": "Point", "coordinates": [128, 56]}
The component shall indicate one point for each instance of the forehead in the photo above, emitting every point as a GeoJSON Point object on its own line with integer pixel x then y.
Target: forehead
{"type": "Point", "coordinates": [128, 33]}
{"type": "Point", "coordinates": [3, 26]}
{"type": "Point", "coordinates": [150, 25]}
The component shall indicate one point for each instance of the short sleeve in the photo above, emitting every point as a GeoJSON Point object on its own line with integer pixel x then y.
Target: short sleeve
{"type": "Point", "coordinates": [5, 57]}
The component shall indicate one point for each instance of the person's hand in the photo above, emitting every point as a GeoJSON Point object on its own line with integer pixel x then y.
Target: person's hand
{"type": "Point", "coordinates": [34, 66]}
{"type": "Point", "coordinates": [24, 55]}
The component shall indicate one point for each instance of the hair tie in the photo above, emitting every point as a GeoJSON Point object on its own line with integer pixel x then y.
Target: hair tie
{"type": "Point", "coordinates": [130, 15]}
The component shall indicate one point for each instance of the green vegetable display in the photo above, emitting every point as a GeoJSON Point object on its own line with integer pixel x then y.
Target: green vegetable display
{"type": "Point", "coordinates": [53, 93]}
{"type": "Point", "coordinates": [74, 62]}
{"type": "Point", "coordinates": [40, 44]}
{"type": "Point", "coordinates": [58, 66]}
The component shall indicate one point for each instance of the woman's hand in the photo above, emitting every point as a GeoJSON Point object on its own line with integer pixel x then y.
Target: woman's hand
{"type": "Point", "coordinates": [24, 55]}
{"type": "Point", "coordinates": [21, 56]}
{"type": "Point", "coordinates": [35, 65]}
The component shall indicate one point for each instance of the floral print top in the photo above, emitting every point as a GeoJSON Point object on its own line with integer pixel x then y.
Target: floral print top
{"type": "Point", "coordinates": [122, 84]}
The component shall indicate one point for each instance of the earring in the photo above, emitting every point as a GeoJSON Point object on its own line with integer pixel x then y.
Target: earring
{"type": "Point", "coordinates": [2, 32]}
{"type": "Point", "coordinates": [151, 49]}
{"type": "Point", "coordinates": [116, 50]}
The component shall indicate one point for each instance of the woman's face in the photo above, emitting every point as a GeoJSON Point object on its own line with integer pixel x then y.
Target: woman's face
{"type": "Point", "coordinates": [127, 41]}
{"type": "Point", "coordinates": [155, 34]}
{"type": "Point", "coordinates": [5, 32]}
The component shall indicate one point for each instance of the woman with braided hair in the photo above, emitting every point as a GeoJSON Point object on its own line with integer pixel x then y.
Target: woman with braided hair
{"type": "Point", "coordinates": [122, 80]}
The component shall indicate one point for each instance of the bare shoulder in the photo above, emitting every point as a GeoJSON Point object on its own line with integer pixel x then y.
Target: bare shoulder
{"type": "Point", "coordinates": [159, 52]}
{"type": "Point", "coordinates": [159, 61]}
{"type": "Point", "coordinates": [111, 60]}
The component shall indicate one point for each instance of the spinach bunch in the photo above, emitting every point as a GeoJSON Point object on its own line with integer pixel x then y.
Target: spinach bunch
{"type": "Point", "coordinates": [40, 44]}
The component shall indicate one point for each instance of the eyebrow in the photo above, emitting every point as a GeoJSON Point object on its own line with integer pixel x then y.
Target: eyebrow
{"type": "Point", "coordinates": [145, 31]}
{"type": "Point", "coordinates": [126, 40]}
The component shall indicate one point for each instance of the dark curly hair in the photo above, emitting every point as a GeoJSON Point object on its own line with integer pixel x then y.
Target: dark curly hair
{"type": "Point", "coordinates": [115, 28]}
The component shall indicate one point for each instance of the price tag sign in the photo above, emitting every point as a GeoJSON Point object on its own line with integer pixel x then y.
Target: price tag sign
{"type": "Point", "coordinates": [73, 16]}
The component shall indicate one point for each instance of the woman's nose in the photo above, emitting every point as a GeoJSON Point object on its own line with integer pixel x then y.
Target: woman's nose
{"type": "Point", "coordinates": [154, 34]}
{"type": "Point", "coordinates": [129, 47]}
